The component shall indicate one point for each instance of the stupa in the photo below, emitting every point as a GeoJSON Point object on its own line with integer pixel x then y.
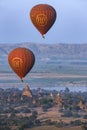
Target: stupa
{"type": "Point", "coordinates": [27, 91]}
{"type": "Point", "coordinates": [51, 94]}
{"type": "Point", "coordinates": [80, 104]}
{"type": "Point", "coordinates": [59, 100]}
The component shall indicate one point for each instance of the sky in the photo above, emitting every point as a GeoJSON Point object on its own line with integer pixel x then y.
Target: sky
{"type": "Point", "coordinates": [70, 25]}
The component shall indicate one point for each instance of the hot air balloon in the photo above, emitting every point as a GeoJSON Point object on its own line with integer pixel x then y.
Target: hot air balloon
{"type": "Point", "coordinates": [21, 61]}
{"type": "Point", "coordinates": [43, 17]}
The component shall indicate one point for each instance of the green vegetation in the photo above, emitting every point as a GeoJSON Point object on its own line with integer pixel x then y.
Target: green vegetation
{"type": "Point", "coordinates": [22, 113]}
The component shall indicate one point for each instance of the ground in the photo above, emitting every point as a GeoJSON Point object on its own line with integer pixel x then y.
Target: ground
{"type": "Point", "coordinates": [55, 128]}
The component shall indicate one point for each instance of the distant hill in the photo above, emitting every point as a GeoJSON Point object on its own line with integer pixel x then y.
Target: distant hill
{"type": "Point", "coordinates": [51, 65]}
{"type": "Point", "coordinates": [49, 51]}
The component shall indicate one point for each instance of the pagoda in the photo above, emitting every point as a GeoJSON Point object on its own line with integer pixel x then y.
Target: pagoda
{"type": "Point", "coordinates": [59, 100]}
{"type": "Point", "coordinates": [27, 91]}
{"type": "Point", "coordinates": [80, 104]}
{"type": "Point", "coordinates": [51, 94]}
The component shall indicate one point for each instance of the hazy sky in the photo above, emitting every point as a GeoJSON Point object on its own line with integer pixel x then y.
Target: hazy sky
{"type": "Point", "coordinates": [70, 25]}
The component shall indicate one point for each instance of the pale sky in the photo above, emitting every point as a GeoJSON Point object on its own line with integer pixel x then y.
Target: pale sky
{"type": "Point", "coordinates": [70, 25]}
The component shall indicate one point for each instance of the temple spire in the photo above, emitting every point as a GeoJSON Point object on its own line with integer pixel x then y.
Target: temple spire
{"type": "Point", "coordinates": [27, 91]}
{"type": "Point", "coordinates": [59, 100]}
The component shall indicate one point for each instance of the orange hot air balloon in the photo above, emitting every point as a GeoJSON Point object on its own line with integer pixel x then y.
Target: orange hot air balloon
{"type": "Point", "coordinates": [21, 61]}
{"type": "Point", "coordinates": [43, 17]}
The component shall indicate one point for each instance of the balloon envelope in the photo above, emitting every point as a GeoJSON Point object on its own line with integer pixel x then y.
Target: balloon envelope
{"type": "Point", "coordinates": [43, 17]}
{"type": "Point", "coordinates": [21, 61]}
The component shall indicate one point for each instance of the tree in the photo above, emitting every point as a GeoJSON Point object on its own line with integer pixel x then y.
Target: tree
{"type": "Point", "coordinates": [67, 113]}
{"type": "Point", "coordinates": [85, 116]}
{"type": "Point", "coordinates": [34, 114]}
{"type": "Point", "coordinates": [84, 127]}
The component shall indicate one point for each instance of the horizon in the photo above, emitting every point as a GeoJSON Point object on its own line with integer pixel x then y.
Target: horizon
{"type": "Point", "coordinates": [41, 43]}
